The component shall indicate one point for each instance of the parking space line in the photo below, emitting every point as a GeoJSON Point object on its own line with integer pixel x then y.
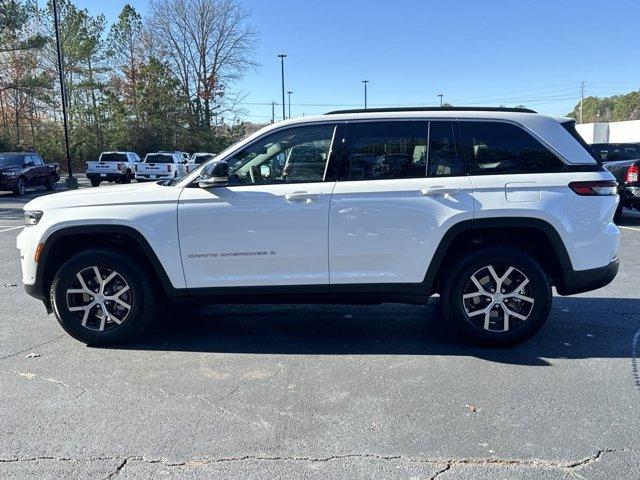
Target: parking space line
{"type": "Point", "coordinates": [629, 228]}
{"type": "Point", "coordinates": [12, 228]}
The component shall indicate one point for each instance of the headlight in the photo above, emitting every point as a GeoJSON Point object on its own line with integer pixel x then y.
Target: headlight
{"type": "Point", "coordinates": [32, 217]}
{"type": "Point", "coordinates": [10, 173]}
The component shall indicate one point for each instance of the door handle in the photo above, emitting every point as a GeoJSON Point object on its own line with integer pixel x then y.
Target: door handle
{"type": "Point", "coordinates": [300, 197]}
{"type": "Point", "coordinates": [440, 190]}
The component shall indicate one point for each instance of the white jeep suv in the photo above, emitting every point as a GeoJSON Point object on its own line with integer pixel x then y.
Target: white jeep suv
{"type": "Point", "coordinates": [489, 208]}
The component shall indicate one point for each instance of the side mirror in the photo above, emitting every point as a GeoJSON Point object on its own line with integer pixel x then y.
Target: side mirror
{"type": "Point", "coordinates": [214, 175]}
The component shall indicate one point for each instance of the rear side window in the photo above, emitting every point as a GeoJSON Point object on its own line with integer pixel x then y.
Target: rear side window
{"type": "Point", "coordinates": [493, 148]}
{"type": "Point", "coordinates": [387, 150]}
{"type": "Point", "coordinates": [444, 159]}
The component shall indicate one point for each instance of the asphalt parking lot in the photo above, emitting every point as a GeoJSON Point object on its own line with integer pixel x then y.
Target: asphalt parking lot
{"type": "Point", "coordinates": [322, 391]}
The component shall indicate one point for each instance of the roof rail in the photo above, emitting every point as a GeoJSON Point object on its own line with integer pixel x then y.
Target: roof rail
{"type": "Point", "coordinates": [434, 109]}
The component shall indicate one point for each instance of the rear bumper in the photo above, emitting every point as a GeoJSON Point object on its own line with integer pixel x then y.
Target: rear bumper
{"type": "Point", "coordinates": [106, 176]}
{"type": "Point", "coordinates": [579, 281]}
{"type": "Point", "coordinates": [630, 196]}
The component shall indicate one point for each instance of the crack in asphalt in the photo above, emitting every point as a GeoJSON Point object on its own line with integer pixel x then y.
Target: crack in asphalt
{"type": "Point", "coordinates": [447, 464]}
{"type": "Point", "coordinates": [54, 339]}
{"type": "Point", "coordinates": [31, 376]}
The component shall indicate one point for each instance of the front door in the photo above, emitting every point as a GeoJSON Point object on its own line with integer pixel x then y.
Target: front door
{"type": "Point", "coordinates": [268, 226]}
{"type": "Point", "coordinates": [403, 184]}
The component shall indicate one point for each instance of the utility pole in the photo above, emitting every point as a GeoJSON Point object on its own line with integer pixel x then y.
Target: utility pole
{"type": "Point", "coordinates": [282, 56]}
{"type": "Point", "coordinates": [440, 95]}
{"type": "Point", "coordinates": [364, 82]}
{"type": "Point", "coordinates": [273, 112]}
{"type": "Point", "coordinates": [71, 182]}
{"type": "Point", "coordinates": [289, 92]}
{"type": "Point", "coordinates": [581, 100]}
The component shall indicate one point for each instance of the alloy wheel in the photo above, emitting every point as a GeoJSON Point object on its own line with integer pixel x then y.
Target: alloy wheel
{"type": "Point", "coordinates": [498, 298]}
{"type": "Point", "coordinates": [100, 298]}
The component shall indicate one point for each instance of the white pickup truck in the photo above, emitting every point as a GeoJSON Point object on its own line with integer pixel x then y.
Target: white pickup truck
{"type": "Point", "coordinates": [198, 159]}
{"type": "Point", "coordinates": [160, 166]}
{"type": "Point", "coordinates": [116, 167]}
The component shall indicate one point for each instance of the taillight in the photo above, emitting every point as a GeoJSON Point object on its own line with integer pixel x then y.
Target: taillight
{"type": "Point", "coordinates": [120, 167]}
{"type": "Point", "coordinates": [596, 188]}
{"type": "Point", "coordinates": [86, 166]}
{"type": "Point", "coordinates": [632, 174]}
{"type": "Point", "coordinates": [168, 168]}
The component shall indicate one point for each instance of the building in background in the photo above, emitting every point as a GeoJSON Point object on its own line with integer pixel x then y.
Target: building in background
{"type": "Point", "coordinates": [612, 132]}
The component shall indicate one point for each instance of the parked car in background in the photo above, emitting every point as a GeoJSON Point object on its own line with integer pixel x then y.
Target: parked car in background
{"type": "Point", "coordinates": [116, 167]}
{"type": "Point", "coordinates": [623, 161]}
{"type": "Point", "coordinates": [20, 170]}
{"type": "Point", "coordinates": [198, 159]}
{"type": "Point", "coordinates": [489, 208]}
{"type": "Point", "coordinates": [160, 166]}
{"type": "Point", "coordinates": [184, 155]}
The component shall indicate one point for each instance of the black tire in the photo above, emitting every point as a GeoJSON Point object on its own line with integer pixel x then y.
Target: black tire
{"type": "Point", "coordinates": [127, 177]}
{"type": "Point", "coordinates": [51, 183]}
{"type": "Point", "coordinates": [95, 183]}
{"type": "Point", "coordinates": [140, 296]}
{"type": "Point", "coordinates": [21, 187]}
{"type": "Point", "coordinates": [458, 282]}
{"type": "Point", "coordinates": [618, 215]}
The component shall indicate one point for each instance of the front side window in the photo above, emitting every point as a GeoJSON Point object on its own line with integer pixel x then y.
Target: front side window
{"type": "Point", "coordinates": [295, 155]}
{"type": "Point", "coordinates": [387, 150]}
{"type": "Point", "coordinates": [493, 148]}
{"type": "Point", "coordinates": [444, 158]}
{"type": "Point", "coordinates": [37, 161]}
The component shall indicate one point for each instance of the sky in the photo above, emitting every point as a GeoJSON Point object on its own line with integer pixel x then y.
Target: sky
{"type": "Point", "coordinates": [484, 53]}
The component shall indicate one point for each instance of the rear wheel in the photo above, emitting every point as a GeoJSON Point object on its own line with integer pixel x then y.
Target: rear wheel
{"type": "Point", "coordinates": [497, 296]}
{"type": "Point", "coordinates": [101, 298]}
{"type": "Point", "coordinates": [95, 183]}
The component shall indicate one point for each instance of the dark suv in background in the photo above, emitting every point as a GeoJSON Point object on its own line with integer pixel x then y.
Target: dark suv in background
{"type": "Point", "coordinates": [19, 170]}
{"type": "Point", "coordinates": [623, 161]}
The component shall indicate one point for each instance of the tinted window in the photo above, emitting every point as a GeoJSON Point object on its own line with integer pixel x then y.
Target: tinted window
{"type": "Point", "coordinates": [444, 160]}
{"type": "Point", "coordinates": [113, 157]}
{"type": "Point", "coordinates": [202, 158]}
{"type": "Point", "coordinates": [493, 148]}
{"type": "Point", "coordinates": [158, 158]}
{"type": "Point", "coordinates": [610, 152]}
{"type": "Point", "coordinates": [387, 150]}
{"type": "Point", "coordinates": [288, 156]}
{"type": "Point", "coordinates": [37, 161]}
{"type": "Point", "coordinates": [10, 159]}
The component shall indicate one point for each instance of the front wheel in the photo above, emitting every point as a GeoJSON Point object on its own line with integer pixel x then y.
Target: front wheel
{"type": "Point", "coordinates": [497, 296]}
{"type": "Point", "coordinates": [101, 297]}
{"type": "Point", "coordinates": [21, 188]}
{"type": "Point", "coordinates": [95, 183]}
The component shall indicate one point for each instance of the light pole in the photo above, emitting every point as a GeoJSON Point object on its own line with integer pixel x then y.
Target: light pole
{"type": "Point", "coordinates": [440, 95]}
{"type": "Point", "coordinates": [364, 82]}
{"type": "Point", "coordinates": [282, 56]}
{"type": "Point", "coordinates": [71, 182]}
{"type": "Point", "coordinates": [289, 92]}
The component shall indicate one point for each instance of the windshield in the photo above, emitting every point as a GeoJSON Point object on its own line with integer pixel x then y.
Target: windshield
{"type": "Point", "coordinates": [113, 157]}
{"type": "Point", "coordinates": [610, 152]}
{"type": "Point", "coordinates": [158, 158]}
{"type": "Point", "coordinates": [7, 159]}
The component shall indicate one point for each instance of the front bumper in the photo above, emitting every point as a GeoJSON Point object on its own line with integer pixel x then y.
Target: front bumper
{"type": "Point", "coordinates": [8, 183]}
{"type": "Point", "coordinates": [579, 281]}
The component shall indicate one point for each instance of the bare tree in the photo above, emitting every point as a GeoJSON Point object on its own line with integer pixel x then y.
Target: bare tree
{"type": "Point", "coordinates": [208, 45]}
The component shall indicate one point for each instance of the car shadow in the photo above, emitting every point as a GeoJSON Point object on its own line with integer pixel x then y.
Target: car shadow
{"type": "Point", "coordinates": [578, 328]}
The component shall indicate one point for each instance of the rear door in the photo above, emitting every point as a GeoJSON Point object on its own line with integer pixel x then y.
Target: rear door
{"type": "Point", "coordinates": [402, 185]}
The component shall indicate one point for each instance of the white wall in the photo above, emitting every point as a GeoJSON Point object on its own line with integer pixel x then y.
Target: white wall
{"type": "Point", "coordinates": [613, 132]}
